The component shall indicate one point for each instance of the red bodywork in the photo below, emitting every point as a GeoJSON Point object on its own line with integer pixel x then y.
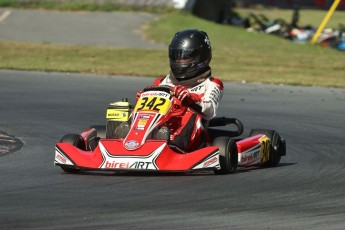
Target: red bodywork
{"type": "Point", "coordinates": [138, 152]}
{"type": "Point", "coordinates": [110, 154]}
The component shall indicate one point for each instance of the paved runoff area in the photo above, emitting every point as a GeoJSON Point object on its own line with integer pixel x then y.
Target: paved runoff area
{"type": "Point", "coordinates": [118, 29]}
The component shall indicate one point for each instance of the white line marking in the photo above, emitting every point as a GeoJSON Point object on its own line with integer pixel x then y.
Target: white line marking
{"type": "Point", "coordinates": [4, 15]}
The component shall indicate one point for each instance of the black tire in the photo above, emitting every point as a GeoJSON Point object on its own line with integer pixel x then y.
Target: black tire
{"type": "Point", "coordinates": [276, 146]}
{"type": "Point", "coordinates": [228, 155]}
{"type": "Point", "coordinates": [77, 141]}
{"type": "Point", "coordinates": [101, 130]}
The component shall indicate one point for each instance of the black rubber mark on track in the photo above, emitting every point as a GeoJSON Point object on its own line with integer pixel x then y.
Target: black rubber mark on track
{"type": "Point", "coordinates": [8, 144]}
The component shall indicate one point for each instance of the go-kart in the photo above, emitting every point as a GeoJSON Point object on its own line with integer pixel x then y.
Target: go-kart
{"type": "Point", "coordinates": [133, 140]}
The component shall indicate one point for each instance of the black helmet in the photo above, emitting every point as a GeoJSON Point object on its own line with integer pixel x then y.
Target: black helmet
{"type": "Point", "coordinates": [189, 54]}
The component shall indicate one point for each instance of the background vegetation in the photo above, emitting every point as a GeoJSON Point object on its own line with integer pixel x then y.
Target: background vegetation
{"type": "Point", "coordinates": [238, 56]}
{"type": "Point", "coordinates": [88, 5]}
{"type": "Point", "coordinates": [306, 16]}
{"type": "Point", "coordinates": [254, 57]}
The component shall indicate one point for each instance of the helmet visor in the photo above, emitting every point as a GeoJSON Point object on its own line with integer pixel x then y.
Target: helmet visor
{"type": "Point", "coordinates": [182, 55]}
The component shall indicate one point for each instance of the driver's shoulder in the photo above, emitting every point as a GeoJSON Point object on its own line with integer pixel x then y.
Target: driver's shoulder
{"type": "Point", "coordinates": [216, 81]}
{"type": "Point", "coordinates": [159, 80]}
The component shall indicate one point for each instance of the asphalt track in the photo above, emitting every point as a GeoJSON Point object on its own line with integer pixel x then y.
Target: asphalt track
{"type": "Point", "coordinates": [120, 29]}
{"type": "Point", "coordinates": [306, 190]}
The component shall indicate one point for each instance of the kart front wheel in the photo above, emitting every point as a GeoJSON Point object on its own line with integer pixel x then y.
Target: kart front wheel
{"type": "Point", "coordinates": [77, 141]}
{"type": "Point", "coordinates": [277, 146]}
{"type": "Point", "coordinates": [228, 155]}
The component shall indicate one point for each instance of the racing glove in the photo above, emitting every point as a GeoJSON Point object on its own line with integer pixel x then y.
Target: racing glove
{"type": "Point", "coordinates": [182, 93]}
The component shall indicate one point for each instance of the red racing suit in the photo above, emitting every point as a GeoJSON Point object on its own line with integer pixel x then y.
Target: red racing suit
{"type": "Point", "coordinates": [187, 131]}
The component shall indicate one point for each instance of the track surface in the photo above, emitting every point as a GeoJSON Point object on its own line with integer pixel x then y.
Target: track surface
{"type": "Point", "coordinates": [306, 191]}
{"type": "Point", "coordinates": [120, 29]}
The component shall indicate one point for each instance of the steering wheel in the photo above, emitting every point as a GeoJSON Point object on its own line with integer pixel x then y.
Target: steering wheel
{"type": "Point", "coordinates": [164, 88]}
{"type": "Point", "coordinates": [178, 109]}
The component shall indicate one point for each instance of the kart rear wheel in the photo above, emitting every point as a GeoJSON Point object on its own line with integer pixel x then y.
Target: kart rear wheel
{"type": "Point", "coordinates": [77, 141]}
{"type": "Point", "coordinates": [228, 155]}
{"type": "Point", "coordinates": [277, 147]}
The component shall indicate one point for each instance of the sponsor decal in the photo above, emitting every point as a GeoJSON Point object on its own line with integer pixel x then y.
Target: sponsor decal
{"type": "Point", "coordinates": [141, 165]}
{"type": "Point", "coordinates": [155, 93]}
{"type": "Point", "coordinates": [60, 158]}
{"type": "Point", "coordinates": [130, 162]}
{"type": "Point", "coordinates": [197, 88]}
{"type": "Point", "coordinates": [210, 161]}
{"type": "Point", "coordinates": [131, 144]}
{"type": "Point", "coordinates": [250, 156]}
{"type": "Point", "coordinates": [117, 115]}
{"type": "Point", "coordinates": [265, 148]}
{"type": "Point", "coordinates": [181, 42]}
{"type": "Point", "coordinates": [116, 165]}
{"type": "Point", "coordinates": [144, 117]}
{"type": "Point", "coordinates": [142, 122]}
{"type": "Point", "coordinates": [208, 43]}
{"type": "Point", "coordinates": [140, 127]}
{"type": "Point", "coordinates": [127, 165]}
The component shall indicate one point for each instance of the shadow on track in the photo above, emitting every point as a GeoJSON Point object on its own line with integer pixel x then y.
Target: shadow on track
{"type": "Point", "coordinates": [249, 169]}
{"type": "Point", "coordinates": [169, 174]}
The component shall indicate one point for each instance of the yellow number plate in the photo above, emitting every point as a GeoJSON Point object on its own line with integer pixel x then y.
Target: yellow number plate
{"type": "Point", "coordinates": [265, 148]}
{"type": "Point", "coordinates": [117, 115]}
{"type": "Point", "coordinates": [153, 103]}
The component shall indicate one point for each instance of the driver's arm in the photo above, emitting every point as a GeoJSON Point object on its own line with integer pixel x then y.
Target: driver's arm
{"type": "Point", "coordinates": [211, 99]}
{"type": "Point", "coordinates": [206, 104]}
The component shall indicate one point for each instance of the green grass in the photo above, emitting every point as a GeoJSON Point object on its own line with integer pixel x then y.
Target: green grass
{"type": "Point", "coordinates": [63, 58]}
{"type": "Point", "coordinates": [306, 16]}
{"type": "Point", "coordinates": [237, 56]}
{"type": "Point", "coordinates": [243, 56]}
{"type": "Point", "coordinates": [80, 5]}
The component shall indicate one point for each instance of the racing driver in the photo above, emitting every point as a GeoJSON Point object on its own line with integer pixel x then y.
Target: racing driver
{"type": "Point", "coordinates": [192, 83]}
